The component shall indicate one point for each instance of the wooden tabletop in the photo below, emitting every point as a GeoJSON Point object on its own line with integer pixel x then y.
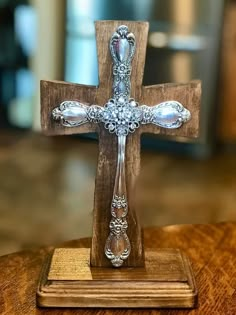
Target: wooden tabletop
{"type": "Point", "coordinates": [211, 248]}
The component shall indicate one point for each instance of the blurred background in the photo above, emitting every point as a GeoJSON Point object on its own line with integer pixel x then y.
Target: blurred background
{"type": "Point", "coordinates": [46, 187]}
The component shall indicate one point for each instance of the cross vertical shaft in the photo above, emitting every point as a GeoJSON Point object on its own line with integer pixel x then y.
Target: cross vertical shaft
{"type": "Point", "coordinates": [107, 161]}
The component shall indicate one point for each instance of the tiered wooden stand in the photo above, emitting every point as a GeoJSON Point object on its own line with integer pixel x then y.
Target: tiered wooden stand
{"type": "Point", "coordinates": [166, 281]}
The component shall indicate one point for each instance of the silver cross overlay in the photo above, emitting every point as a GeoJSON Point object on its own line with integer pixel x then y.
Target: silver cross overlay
{"type": "Point", "coordinates": [121, 115]}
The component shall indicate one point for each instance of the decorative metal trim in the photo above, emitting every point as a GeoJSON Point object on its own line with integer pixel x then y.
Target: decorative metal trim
{"type": "Point", "coordinates": [121, 116]}
{"type": "Point", "coordinates": [122, 48]}
{"type": "Point", "coordinates": [118, 227]}
{"type": "Point", "coordinates": [170, 114]}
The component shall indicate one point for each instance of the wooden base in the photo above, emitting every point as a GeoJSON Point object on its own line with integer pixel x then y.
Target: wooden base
{"type": "Point", "coordinates": [166, 281]}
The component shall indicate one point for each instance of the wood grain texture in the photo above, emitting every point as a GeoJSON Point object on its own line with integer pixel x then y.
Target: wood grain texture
{"type": "Point", "coordinates": [53, 93]}
{"type": "Point", "coordinates": [166, 281]}
{"type": "Point", "coordinates": [66, 264]}
{"type": "Point", "coordinates": [211, 249]}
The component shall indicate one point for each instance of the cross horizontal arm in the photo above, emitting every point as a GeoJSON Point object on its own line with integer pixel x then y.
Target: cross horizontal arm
{"type": "Point", "coordinates": [53, 93]}
{"type": "Point", "coordinates": [189, 95]}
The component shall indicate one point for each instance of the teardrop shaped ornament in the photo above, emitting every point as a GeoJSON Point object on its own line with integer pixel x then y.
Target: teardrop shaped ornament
{"type": "Point", "coordinates": [71, 113]}
{"type": "Point", "coordinates": [75, 113]}
{"type": "Point", "coordinates": [122, 49]}
{"type": "Point", "coordinates": [117, 249]}
{"type": "Point", "coordinates": [170, 114]}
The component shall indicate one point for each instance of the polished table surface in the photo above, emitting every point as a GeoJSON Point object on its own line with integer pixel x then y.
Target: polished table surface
{"type": "Point", "coordinates": [211, 248]}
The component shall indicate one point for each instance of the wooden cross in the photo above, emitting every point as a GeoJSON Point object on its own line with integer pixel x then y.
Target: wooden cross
{"type": "Point", "coordinates": [54, 93]}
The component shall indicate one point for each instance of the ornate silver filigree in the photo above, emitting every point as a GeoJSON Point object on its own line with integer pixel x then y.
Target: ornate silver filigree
{"type": "Point", "coordinates": [121, 115]}
{"type": "Point", "coordinates": [119, 202]}
{"type": "Point", "coordinates": [122, 47]}
{"type": "Point", "coordinates": [118, 227]}
{"type": "Point", "coordinates": [170, 114]}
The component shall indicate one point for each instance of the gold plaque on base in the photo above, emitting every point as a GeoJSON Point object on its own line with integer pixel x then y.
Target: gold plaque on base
{"type": "Point", "coordinates": [166, 281]}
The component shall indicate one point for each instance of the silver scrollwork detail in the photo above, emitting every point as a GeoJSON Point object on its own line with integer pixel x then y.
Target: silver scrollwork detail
{"type": "Point", "coordinates": [170, 114]}
{"type": "Point", "coordinates": [121, 116]}
{"type": "Point", "coordinates": [71, 113]}
{"type": "Point", "coordinates": [122, 48]}
{"type": "Point", "coordinates": [119, 203]}
{"type": "Point", "coordinates": [117, 247]}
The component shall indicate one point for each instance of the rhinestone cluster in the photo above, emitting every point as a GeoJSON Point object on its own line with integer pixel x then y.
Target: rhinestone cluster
{"type": "Point", "coordinates": [122, 116]}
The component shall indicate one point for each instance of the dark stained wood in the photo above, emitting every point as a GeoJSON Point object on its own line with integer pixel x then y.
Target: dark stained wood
{"type": "Point", "coordinates": [166, 281]}
{"type": "Point", "coordinates": [211, 248]}
{"type": "Point", "coordinates": [53, 93]}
